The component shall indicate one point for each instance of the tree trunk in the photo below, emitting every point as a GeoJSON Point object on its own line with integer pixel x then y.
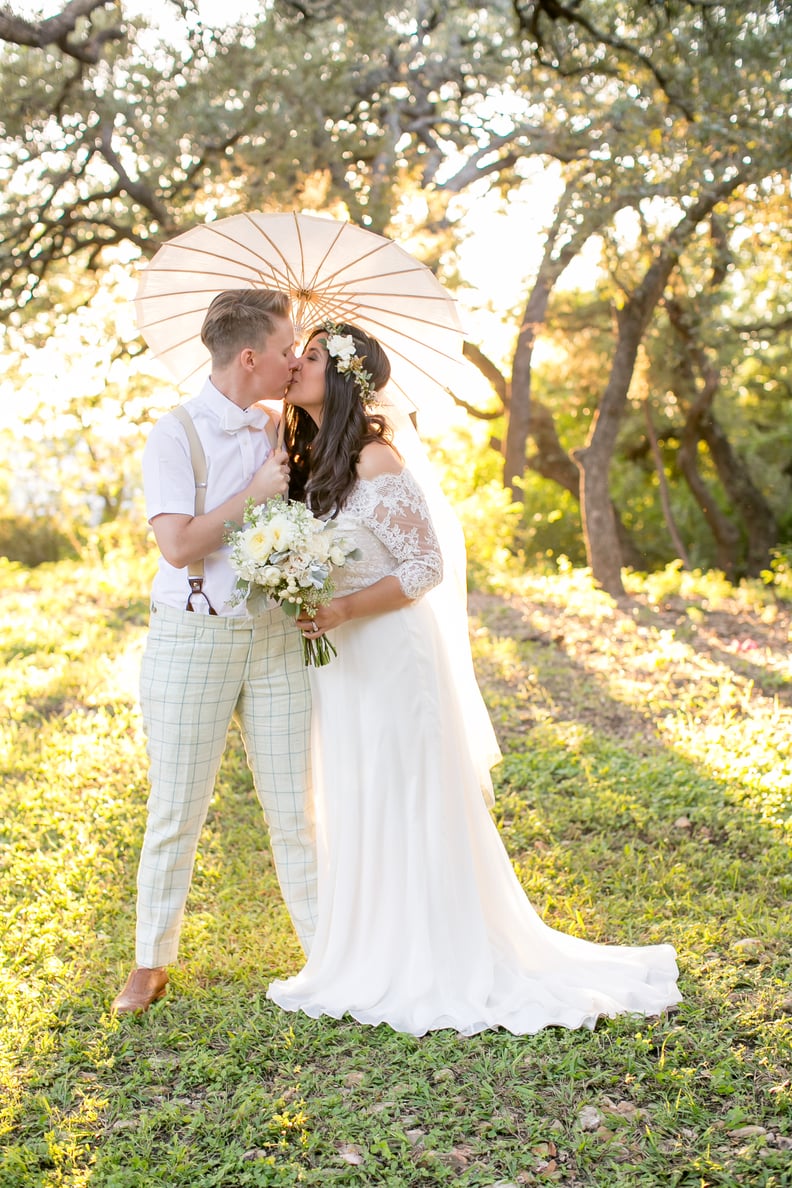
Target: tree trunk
{"type": "Point", "coordinates": [724, 531]}
{"type": "Point", "coordinates": [757, 515]}
{"type": "Point", "coordinates": [550, 460]}
{"type": "Point", "coordinates": [550, 269]}
{"type": "Point", "coordinates": [599, 523]}
{"type": "Point", "coordinates": [760, 525]}
{"type": "Point", "coordinates": [553, 462]}
{"type": "Point", "coordinates": [665, 498]}
{"type": "Point", "coordinates": [520, 407]}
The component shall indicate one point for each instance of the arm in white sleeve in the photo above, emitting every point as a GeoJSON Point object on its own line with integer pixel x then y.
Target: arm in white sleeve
{"type": "Point", "coordinates": [400, 519]}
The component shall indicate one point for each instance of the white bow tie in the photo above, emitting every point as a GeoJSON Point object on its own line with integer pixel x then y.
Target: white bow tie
{"type": "Point", "coordinates": [235, 418]}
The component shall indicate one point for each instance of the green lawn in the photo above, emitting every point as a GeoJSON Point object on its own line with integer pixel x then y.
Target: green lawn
{"type": "Point", "coordinates": [644, 796]}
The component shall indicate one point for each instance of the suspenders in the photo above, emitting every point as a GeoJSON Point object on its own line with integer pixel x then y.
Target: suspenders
{"type": "Point", "coordinates": [195, 571]}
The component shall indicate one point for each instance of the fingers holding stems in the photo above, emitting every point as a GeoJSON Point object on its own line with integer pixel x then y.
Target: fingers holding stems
{"type": "Point", "coordinates": [318, 648]}
{"type": "Point", "coordinates": [271, 478]}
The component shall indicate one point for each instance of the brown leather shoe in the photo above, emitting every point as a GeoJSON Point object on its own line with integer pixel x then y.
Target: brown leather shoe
{"type": "Point", "coordinates": [143, 987]}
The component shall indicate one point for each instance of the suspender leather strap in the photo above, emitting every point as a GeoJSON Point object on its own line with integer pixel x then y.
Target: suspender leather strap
{"type": "Point", "coordinates": [195, 571]}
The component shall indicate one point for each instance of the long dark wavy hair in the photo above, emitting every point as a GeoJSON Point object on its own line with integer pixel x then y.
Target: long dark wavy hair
{"type": "Point", "coordinates": [324, 458]}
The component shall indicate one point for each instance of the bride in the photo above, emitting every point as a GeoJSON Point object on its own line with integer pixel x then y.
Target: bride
{"type": "Point", "coordinates": [423, 923]}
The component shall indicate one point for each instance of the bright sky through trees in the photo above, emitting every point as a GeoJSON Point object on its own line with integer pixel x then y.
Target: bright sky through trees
{"type": "Point", "coordinates": [635, 156]}
{"type": "Point", "coordinates": [498, 250]}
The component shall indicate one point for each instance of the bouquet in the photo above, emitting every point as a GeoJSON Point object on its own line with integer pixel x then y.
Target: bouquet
{"type": "Point", "coordinates": [289, 554]}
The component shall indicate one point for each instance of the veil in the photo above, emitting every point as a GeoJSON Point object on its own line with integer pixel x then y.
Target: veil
{"type": "Point", "coordinates": [448, 601]}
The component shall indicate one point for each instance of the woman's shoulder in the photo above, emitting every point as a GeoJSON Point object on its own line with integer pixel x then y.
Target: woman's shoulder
{"type": "Point", "coordinates": [376, 458]}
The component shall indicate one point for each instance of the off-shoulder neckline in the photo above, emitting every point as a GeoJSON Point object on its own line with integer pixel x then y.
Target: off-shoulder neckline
{"type": "Point", "coordinates": [387, 474]}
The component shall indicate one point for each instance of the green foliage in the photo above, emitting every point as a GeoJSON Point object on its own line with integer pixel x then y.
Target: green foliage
{"type": "Point", "coordinates": [33, 540]}
{"type": "Point", "coordinates": [779, 574]}
{"type": "Point", "coordinates": [503, 537]}
{"type": "Point", "coordinates": [469, 472]}
{"type": "Point", "coordinates": [36, 541]}
{"type": "Point", "coordinates": [725, 329]}
{"type": "Point", "coordinates": [391, 116]}
{"type": "Point", "coordinates": [712, 589]}
{"type": "Point", "coordinates": [641, 104]}
{"type": "Point", "coordinates": [643, 797]}
{"type": "Point", "coordinates": [550, 526]}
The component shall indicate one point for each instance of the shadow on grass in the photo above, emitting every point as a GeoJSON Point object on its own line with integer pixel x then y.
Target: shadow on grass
{"type": "Point", "coordinates": [606, 822]}
{"type": "Point", "coordinates": [216, 1088]}
{"type": "Point", "coordinates": [735, 655]}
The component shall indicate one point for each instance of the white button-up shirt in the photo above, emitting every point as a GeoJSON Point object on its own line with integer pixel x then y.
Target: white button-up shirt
{"type": "Point", "coordinates": [236, 444]}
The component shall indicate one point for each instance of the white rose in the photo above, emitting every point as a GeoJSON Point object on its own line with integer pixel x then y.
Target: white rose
{"type": "Point", "coordinates": [270, 575]}
{"type": "Point", "coordinates": [258, 543]}
{"type": "Point", "coordinates": [281, 532]}
{"type": "Point", "coordinates": [319, 546]}
{"type": "Point", "coordinates": [341, 346]}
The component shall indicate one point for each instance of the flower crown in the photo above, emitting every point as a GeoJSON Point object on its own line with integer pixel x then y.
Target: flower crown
{"type": "Point", "coordinates": [341, 347]}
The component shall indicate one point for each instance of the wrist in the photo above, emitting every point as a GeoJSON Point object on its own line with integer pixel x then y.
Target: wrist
{"type": "Point", "coordinates": [342, 608]}
{"type": "Point", "coordinates": [254, 493]}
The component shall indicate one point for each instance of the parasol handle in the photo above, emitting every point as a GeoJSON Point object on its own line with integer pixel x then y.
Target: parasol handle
{"type": "Point", "coordinates": [281, 427]}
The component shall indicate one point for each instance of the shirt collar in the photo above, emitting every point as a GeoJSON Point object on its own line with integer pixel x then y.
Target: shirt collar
{"type": "Point", "coordinates": [232, 418]}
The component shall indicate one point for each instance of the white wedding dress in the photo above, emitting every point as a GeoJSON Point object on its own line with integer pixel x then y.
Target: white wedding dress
{"type": "Point", "coordinates": [423, 923]}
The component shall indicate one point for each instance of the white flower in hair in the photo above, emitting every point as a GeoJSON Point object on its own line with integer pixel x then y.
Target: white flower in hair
{"type": "Point", "coordinates": [341, 346]}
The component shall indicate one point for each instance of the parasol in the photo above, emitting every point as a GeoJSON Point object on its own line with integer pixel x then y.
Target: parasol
{"type": "Point", "coordinates": [331, 270]}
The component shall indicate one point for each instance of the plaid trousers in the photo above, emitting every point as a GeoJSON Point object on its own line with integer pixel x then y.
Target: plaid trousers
{"type": "Point", "coordinates": [198, 672]}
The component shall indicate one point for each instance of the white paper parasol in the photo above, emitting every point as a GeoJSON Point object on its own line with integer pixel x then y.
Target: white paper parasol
{"type": "Point", "coordinates": [331, 270]}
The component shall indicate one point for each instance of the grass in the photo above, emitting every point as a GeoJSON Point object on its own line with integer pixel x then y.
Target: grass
{"type": "Point", "coordinates": [644, 796]}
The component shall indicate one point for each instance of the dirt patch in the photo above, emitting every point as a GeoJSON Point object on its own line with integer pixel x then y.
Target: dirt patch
{"type": "Point", "coordinates": [617, 666]}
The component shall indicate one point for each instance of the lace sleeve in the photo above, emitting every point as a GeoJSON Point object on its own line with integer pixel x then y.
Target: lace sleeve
{"type": "Point", "coordinates": [399, 517]}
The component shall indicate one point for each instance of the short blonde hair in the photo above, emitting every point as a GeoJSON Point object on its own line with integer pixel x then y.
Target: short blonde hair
{"type": "Point", "coordinates": [240, 318]}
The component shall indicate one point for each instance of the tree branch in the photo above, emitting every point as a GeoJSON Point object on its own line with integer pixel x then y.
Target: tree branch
{"type": "Point", "coordinates": [772, 328]}
{"type": "Point", "coordinates": [569, 12]}
{"type": "Point", "coordinates": [136, 190]}
{"type": "Point", "coordinates": [541, 143]}
{"type": "Point", "coordinates": [493, 374]}
{"type": "Point", "coordinates": [58, 30]}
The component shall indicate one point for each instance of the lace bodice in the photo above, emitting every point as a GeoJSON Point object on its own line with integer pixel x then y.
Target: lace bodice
{"type": "Point", "coordinates": [387, 519]}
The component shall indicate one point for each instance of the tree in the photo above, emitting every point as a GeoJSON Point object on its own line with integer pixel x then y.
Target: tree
{"type": "Point", "coordinates": [86, 46]}
{"type": "Point", "coordinates": [703, 124]}
{"type": "Point", "coordinates": [670, 110]}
